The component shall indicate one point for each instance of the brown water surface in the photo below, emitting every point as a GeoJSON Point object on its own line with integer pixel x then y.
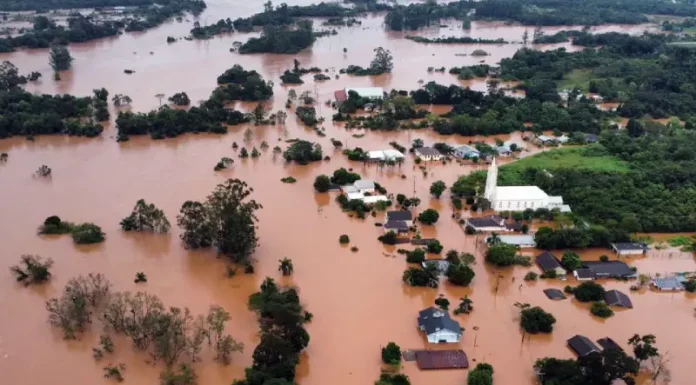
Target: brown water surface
{"type": "Point", "coordinates": [357, 298]}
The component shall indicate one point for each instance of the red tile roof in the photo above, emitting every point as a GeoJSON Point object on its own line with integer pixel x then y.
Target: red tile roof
{"type": "Point", "coordinates": [442, 359]}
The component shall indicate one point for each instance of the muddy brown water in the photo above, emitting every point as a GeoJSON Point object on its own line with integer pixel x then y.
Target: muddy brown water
{"type": "Point", "coordinates": [357, 298]}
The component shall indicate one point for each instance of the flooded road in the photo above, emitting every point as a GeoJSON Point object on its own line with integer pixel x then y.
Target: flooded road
{"type": "Point", "coordinates": [358, 300]}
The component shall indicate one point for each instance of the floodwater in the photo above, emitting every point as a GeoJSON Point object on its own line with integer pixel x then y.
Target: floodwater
{"type": "Point", "coordinates": [357, 298]}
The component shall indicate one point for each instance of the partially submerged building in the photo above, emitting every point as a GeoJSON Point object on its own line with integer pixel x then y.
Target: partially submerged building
{"type": "Point", "coordinates": [518, 198]}
{"type": "Point", "coordinates": [582, 346]}
{"type": "Point", "coordinates": [362, 190]}
{"type": "Point", "coordinates": [667, 284]}
{"type": "Point", "coordinates": [630, 248]}
{"type": "Point", "coordinates": [441, 359]}
{"type": "Point", "coordinates": [439, 327]}
{"type": "Point", "coordinates": [584, 274]}
{"type": "Point", "coordinates": [521, 241]}
{"type": "Point", "coordinates": [617, 298]}
{"type": "Point", "coordinates": [400, 215]}
{"type": "Point", "coordinates": [385, 155]}
{"type": "Point", "coordinates": [491, 223]}
{"type": "Point", "coordinates": [610, 269]}
{"type": "Point", "coordinates": [428, 154]}
{"type": "Point", "coordinates": [609, 344]}
{"type": "Point", "coordinates": [466, 152]}
{"type": "Point", "coordinates": [548, 262]}
{"type": "Point", "coordinates": [395, 226]}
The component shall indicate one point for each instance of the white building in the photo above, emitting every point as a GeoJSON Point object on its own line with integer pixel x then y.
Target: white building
{"type": "Point", "coordinates": [630, 248]}
{"type": "Point", "coordinates": [364, 186]}
{"type": "Point", "coordinates": [439, 327]}
{"type": "Point", "coordinates": [385, 155]}
{"type": "Point", "coordinates": [524, 241]}
{"type": "Point", "coordinates": [518, 198]}
{"type": "Point", "coordinates": [367, 92]}
{"type": "Point", "coordinates": [428, 153]}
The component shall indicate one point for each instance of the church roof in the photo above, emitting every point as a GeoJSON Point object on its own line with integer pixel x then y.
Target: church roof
{"type": "Point", "coordinates": [519, 193]}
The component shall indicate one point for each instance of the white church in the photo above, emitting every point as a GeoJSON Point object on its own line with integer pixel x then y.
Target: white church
{"type": "Point", "coordinates": [518, 198]}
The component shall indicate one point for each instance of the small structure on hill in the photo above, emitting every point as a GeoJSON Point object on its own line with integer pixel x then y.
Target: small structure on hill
{"type": "Point", "coordinates": [617, 298]}
{"type": "Point", "coordinates": [439, 327]}
{"type": "Point", "coordinates": [548, 262]}
{"type": "Point", "coordinates": [428, 153]}
{"type": "Point", "coordinates": [630, 248]}
{"type": "Point", "coordinates": [582, 345]}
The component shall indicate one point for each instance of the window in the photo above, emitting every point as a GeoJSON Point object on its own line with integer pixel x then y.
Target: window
{"type": "Point", "coordinates": [508, 204]}
{"type": "Point", "coordinates": [525, 204]}
{"type": "Point", "coordinates": [500, 205]}
{"type": "Point", "coordinates": [518, 204]}
{"type": "Point", "coordinates": [532, 205]}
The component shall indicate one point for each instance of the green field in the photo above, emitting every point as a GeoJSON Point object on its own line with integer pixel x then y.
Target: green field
{"type": "Point", "coordinates": [573, 157]}
{"type": "Point", "coordinates": [576, 78]}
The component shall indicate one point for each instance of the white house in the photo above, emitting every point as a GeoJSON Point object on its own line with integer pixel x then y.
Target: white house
{"type": "Point", "coordinates": [630, 248]}
{"type": "Point", "coordinates": [517, 198]}
{"type": "Point", "coordinates": [385, 155]}
{"type": "Point", "coordinates": [439, 327]}
{"type": "Point", "coordinates": [521, 241]}
{"type": "Point", "coordinates": [364, 186]}
{"type": "Point", "coordinates": [367, 92]}
{"type": "Point", "coordinates": [371, 199]}
{"type": "Point", "coordinates": [428, 153]}
{"type": "Point", "coordinates": [487, 224]}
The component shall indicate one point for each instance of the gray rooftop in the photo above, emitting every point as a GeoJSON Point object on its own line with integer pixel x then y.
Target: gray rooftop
{"type": "Point", "coordinates": [364, 184]}
{"type": "Point", "coordinates": [428, 151]}
{"type": "Point", "coordinates": [670, 283]}
{"type": "Point", "coordinates": [517, 240]}
{"type": "Point", "coordinates": [617, 298]}
{"type": "Point", "coordinates": [433, 319]}
{"type": "Point", "coordinates": [614, 269]}
{"type": "Point", "coordinates": [399, 215]}
{"type": "Point", "coordinates": [582, 345]}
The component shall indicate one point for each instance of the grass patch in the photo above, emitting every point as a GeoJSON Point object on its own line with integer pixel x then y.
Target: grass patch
{"type": "Point", "coordinates": [573, 157]}
{"type": "Point", "coordinates": [576, 78]}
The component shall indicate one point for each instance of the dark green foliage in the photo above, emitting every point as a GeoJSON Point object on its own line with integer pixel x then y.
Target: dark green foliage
{"type": "Point", "coordinates": [393, 379]}
{"type": "Point", "coordinates": [180, 99]}
{"type": "Point", "coordinates": [303, 152]}
{"type": "Point", "coordinates": [531, 276]}
{"type": "Point", "coordinates": [578, 237]}
{"type": "Point", "coordinates": [455, 40]}
{"type": "Point", "coordinates": [146, 217]}
{"type": "Point", "coordinates": [289, 77]}
{"type": "Point", "coordinates": [281, 39]}
{"type": "Point", "coordinates": [465, 306]}
{"type": "Point", "coordinates": [288, 179]}
{"type": "Point", "coordinates": [569, 289]}
{"type": "Point", "coordinates": [535, 320]}
{"type": "Point", "coordinates": [344, 177]}
{"type": "Point", "coordinates": [286, 267]}
{"type": "Point", "coordinates": [482, 374]}
{"type": "Point", "coordinates": [355, 154]}
{"type": "Point", "coordinates": [425, 277]}
{"type": "Point", "coordinates": [140, 277]}
{"type": "Point", "coordinates": [416, 256]}
{"type": "Point", "coordinates": [589, 291]}
{"type": "Point", "coordinates": [240, 84]}
{"type": "Point", "coordinates": [601, 309]}
{"type": "Point", "coordinates": [54, 225]}
{"type": "Point", "coordinates": [459, 274]}
{"type": "Point", "coordinates": [307, 114]}
{"type": "Point", "coordinates": [434, 247]}
{"type": "Point", "coordinates": [391, 354]}
{"type": "Point", "coordinates": [571, 261]}
{"type": "Point", "coordinates": [322, 183]}
{"type": "Point", "coordinates": [419, 15]}
{"type": "Point", "coordinates": [208, 31]}
{"type": "Point", "coordinates": [344, 239]}
{"type": "Point", "coordinates": [437, 188]}
{"type": "Point", "coordinates": [32, 269]}
{"type": "Point", "coordinates": [60, 58]}
{"type": "Point", "coordinates": [429, 216]}
{"type": "Point", "coordinates": [114, 372]}
{"type": "Point", "coordinates": [505, 255]}
{"type": "Point", "coordinates": [596, 369]}
{"type": "Point", "coordinates": [690, 285]}
{"type": "Point", "coordinates": [226, 220]}
{"type": "Point", "coordinates": [643, 346]}
{"type": "Point", "coordinates": [388, 238]}
{"type": "Point", "coordinates": [87, 233]}
{"type": "Point", "coordinates": [184, 375]}
{"type": "Point", "coordinates": [442, 303]}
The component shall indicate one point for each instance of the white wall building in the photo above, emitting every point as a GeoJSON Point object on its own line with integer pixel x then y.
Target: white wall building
{"type": "Point", "coordinates": [518, 198]}
{"type": "Point", "coordinates": [367, 92]}
{"type": "Point", "coordinates": [439, 327]}
{"type": "Point", "coordinates": [385, 155]}
{"type": "Point", "coordinates": [428, 153]}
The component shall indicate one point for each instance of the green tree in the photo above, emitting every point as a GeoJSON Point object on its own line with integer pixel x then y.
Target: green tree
{"type": "Point", "coordinates": [501, 255]}
{"type": "Point", "coordinates": [589, 291]}
{"type": "Point", "coordinates": [286, 267]}
{"type": "Point", "coordinates": [87, 233]}
{"type": "Point", "coordinates": [60, 58]}
{"type": "Point", "coordinates": [429, 216]}
{"type": "Point", "coordinates": [643, 346]}
{"type": "Point", "coordinates": [383, 61]}
{"type": "Point", "coordinates": [146, 217]}
{"type": "Point", "coordinates": [459, 274]}
{"type": "Point", "coordinates": [391, 354]}
{"type": "Point", "coordinates": [322, 183]}
{"type": "Point", "coordinates": [303, 152]}
{"type": "Point", "coordinates": [388, 238]}
{"type": "Point", "coordinates": [442, 303]}
{"type": "Point", "coordinates": [535, 320]}
{"type": "Point", "coordinates": [465, 306]}
{"type": "Point", "coordinates": [601, 309]}
{"type": "Point", "coordinates": [437, 188]}
{"type": "Point", "coordinates": [32, 269]}
{"type": "Point", "coordinates": [571, 261]}
{"type": "Point", "coordinates": [426, 277]}
{"type": "Point", "coordinates": [482, 374]}
{"type": "Point", "coordinates": [226, 220]}
{"type": "Point", "coordinates": [343, 239]}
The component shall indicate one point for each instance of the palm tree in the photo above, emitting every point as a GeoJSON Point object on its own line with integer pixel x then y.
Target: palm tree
{"type": "Point", "coordinates": [285, 266]}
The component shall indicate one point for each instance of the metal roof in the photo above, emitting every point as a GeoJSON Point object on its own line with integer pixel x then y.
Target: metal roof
{"type": "Point", "coordinates": [519, 193]}
{"type": "Point", "coordinates": [433, 319]}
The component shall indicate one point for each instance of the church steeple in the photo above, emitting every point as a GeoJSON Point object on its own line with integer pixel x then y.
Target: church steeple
{"type": "Point", "coordinates": [491, 181]}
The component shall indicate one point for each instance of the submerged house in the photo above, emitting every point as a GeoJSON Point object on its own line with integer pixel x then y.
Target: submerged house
{"type": "Point", "coordinates": [582, 346]}
{"type": "Point", "coordinates": [428, 153]}
{"type": "Point", "coordinates": [521, 241]}
{"type": "Point", "coordinates": [396, 226]}
{"type": "Point", "coordinates": [617, 298]}
{"type": "Point", "coordinates": [629, 248]}
{"type": "Point", "coordinates": [487, 224]}
{"type": "Point", "coordinates": [439, 327]}
{"type": "Point", "coordinates": [400, 215]}
{"type": "Point", "coordinates": [466, 152]}
{"type": "Point", "coordinates": [610, 269]}
{"type": "Point", "coordinates": [548, 262]}
{"type": "Point", "coordinates": [668, 284]}
{"type": "Point", "coordinates": [385, 155]}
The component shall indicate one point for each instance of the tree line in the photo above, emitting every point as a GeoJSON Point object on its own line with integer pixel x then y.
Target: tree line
{"type": "Point", "coordinates": [43, 5]}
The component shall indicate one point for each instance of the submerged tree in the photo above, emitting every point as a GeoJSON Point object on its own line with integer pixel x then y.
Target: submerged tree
{"type": "Point", "coordinates": [146, 217]}
{"type": "Point", "coordinates": [43, 171]}
{"type": "Point", "coordinates": [286, 267]}
{"type": "Point", "coordinates": [60, 58]}
{"type": "Point", "coordinates": [72, 312]}
{"type": "Point", "coordinates": [32, 269]}
{"type": "Point", "coordinates": [121, 100]}
{"type": "Point", "coordinates": [383, 61]}
{"type": "Point", "coordinates": [226, 220]}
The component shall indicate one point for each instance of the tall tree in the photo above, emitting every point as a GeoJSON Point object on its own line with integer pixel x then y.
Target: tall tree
{"type": "Point", "coordinates": [383, 61]}
{"type": "Point", "coordinates": [60, 58]}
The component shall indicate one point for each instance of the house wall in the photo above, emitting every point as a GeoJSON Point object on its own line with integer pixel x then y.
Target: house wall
{"type": "Point", "coordinates": [443, 335]}
{"type": "Point", "coordinates": [520, 205]}
{"type": "Point", "coordinates": [490, 229]}
{"type": "Point", "coordinates": [630, 252]}
{"type": "Point", "coordinates": [367, 190]}
{"type": "Point", "coordinates": [560, 271]}
{"type": "Point", "coordinates": [430, 157]}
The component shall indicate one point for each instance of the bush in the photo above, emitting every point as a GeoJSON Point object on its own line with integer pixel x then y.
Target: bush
{"type": "Point", "coordinates": [87, 233]}
{"type": "Point", "coordinates": [589, 292]}
{"type": "Point", "coordinates": [288, 179]}
{"type": "Point", "coordinates": [536, 320]}
{"type": "Point", "coordinates": [32, 270]}
{"type": "Point", "coordinates": [54, 225]}
{"type": "Point", "coordinates": [435, 247]}
{"type": "Point", "coordinates": [391, 354]}
{"type": "Point", "coordinates": [549, 274]}
{"type": "Point", "coordinates": [569, 289]}
{"type": "Point", "coordinates": [459, 274]}
{"type": "Point", "coordinates": [322, 183]}
{"type": "Point", "coordinates": [481, 375]}
{"type": "Point", "coordinates": [457, 202]}
{"type": "Point", "coordinates": [505, 255]}
{"type": "Point", "coordinates": [415, 256]}
{"type": "Point", "coordinates": [303, 152]}
{"type": "Point", "coordinates": [344, 177]}
{"type": "Point", "coordinates": [429, 216]}
{"type": "Point", "coordinates": [690, 285]}
{"type": "Point", "coordinates": [604, 258]}
{"type": "Point", "coordinates": [343, 239]}
{"type": "Point", "coordinates": [388, 238]}
{"type": "Point", "coordinates": [531, 276]}
{"type": "Point", "coordinates": [571, 261]}
{"type": "Point", "coordinates": [601, 309]}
